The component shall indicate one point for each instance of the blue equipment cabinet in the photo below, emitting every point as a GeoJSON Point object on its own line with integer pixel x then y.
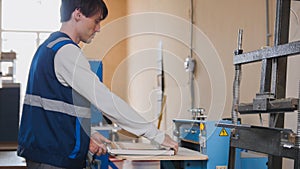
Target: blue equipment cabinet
{"type": "Point", "coordinates": [213, 141]}
{"type": "Point", "coordinates": [205, 137]}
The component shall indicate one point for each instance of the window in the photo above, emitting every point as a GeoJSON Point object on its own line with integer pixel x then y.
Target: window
{"type": "Point", "coordinates": [25, 25]}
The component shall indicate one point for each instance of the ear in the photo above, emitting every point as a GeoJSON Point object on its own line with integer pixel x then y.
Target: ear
{"type": "Point", "coordinates": [77, 15]}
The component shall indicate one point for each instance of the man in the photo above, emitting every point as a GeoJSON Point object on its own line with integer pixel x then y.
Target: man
{"type": "Point", "coordinates": [55, 124]}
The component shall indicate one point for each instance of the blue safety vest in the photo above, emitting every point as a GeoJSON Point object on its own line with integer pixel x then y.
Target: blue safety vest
{"type": "Point", "coordinates": [55, 123]}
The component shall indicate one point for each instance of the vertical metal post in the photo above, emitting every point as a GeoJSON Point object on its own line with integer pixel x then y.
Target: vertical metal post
{"type": "Point", "coordinates": [279, 68]}
{"type": "Point", "coordinates": [297, 161]}
{"type": "Point", "coordinates": [237, 80]}
{"type": "Point", "coordinates": [191, 73]}
{"type": "Point", "coordinates": [268, 35]}
{"type": "Point", "coordinates": [236, 94]}
{"type": "Point", "coordinates": [265, 80]}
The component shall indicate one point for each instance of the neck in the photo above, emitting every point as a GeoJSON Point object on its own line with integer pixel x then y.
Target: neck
{"type": "Point", "coordinates": [68, 29]}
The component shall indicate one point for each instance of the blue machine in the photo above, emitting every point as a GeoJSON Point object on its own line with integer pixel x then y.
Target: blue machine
{"type": "Point", "coordinates": [96, 67]}
{"type": "Point", "coordinates": [204, 136]}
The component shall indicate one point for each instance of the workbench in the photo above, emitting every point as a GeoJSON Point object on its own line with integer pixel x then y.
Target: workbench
{"type": "Point", "coordinates": [183, 154]}
{"type": "Point", "coordinates": [189, 159]}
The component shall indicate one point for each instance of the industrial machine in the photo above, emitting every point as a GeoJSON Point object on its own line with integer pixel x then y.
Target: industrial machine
{"type": "Point", "coordinates": [274, 140]}
{"type": "Point", "coordinates": [204, 136]}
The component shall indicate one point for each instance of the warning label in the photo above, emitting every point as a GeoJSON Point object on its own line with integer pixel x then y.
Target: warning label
{"type": "Point", "coordinates": [223, 132]}
{"type": "Point", "coordinates": [202, 126]}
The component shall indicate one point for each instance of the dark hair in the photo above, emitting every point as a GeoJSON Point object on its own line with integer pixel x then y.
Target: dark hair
{"type": "Point", "coordinates": [87, 8]}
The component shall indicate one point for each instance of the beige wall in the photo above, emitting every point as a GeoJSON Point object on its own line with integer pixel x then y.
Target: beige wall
{"type": "Point", "coordinates": [129, 46]}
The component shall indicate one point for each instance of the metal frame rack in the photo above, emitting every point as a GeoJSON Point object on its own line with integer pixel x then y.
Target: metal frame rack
{"type": "Point", "coordinates": [273, 140]}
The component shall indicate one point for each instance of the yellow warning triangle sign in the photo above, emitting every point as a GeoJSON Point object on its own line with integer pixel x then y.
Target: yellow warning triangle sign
{"type": "Point", "coordinates": [223, 132]}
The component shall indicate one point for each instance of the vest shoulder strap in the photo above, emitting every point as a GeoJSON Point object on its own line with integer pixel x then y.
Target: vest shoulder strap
{"type": "Point", "coordinates": [60, 42]}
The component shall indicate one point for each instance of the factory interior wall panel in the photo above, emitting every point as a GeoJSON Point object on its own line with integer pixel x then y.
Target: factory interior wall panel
{"type": "Point", "coordinates": [220, 22]}
{"type": "Point", "coordinates": [107, 45]}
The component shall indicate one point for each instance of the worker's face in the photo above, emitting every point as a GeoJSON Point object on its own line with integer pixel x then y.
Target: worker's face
{"type": "Point", "coordinates": [89, 26]}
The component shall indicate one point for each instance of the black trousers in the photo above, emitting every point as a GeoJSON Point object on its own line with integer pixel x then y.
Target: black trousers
{"type": "Point", "coordinates": [36, 165]}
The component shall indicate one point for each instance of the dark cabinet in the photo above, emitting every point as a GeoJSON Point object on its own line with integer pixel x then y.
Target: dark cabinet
{"type": "Point", "coordinates": [9, 112]}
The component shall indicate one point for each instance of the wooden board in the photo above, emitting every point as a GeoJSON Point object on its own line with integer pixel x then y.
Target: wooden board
{"type": "Point", "coordinates": [183, 154]}
{"type": "Point", "coordinates": [142, 149]}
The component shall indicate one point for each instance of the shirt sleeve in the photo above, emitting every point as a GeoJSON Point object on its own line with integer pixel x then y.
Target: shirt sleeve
{"type": "Point", "coordinates": [72, 69]}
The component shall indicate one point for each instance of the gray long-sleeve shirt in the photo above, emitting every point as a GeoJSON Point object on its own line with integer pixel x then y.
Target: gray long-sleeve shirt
{"type": "Point", "coordinates": [72, 69]}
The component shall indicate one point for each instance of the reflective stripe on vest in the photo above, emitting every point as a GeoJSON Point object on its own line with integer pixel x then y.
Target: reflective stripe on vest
{"type": "Point", "coordinates": [56, 44]}
{"type": "Point", "coordinates": [57, 106]}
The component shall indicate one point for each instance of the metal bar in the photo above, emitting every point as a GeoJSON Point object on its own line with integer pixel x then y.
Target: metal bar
{"type": "Point", "coordinates": [276, 142]}
{"type": "Point", "coordinates": [268, 35]}
{"type": "Point", "coordinates": [279, 105]}
{"type": "Point", "coordinates": [265, 83]}
{"type": "Point", "coordinates": [237, 80]}
{"type": "Point", "coordinates": [298, 121]}
{"type": "Point", "coordinates": [226, 125]}
{"type": "Point", "coordinates": [248, 127]}
{"type": "Point", "coordinates": [297, 144]}
{"type": "Point", "coordinates": [231, 159]}
{"type": "Point", "coordinates": [264, 140]}
{"type": "Point", "coordinates": [236, 95]}
{"type": "Point", "coordinates": [292, 48]}
{"type": "Point", "coordinates": [279, 68]}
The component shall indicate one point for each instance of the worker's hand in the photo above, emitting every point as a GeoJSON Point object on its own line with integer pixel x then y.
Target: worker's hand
{"type": "Point", "coordinates": [169, 142]}
{"type": "Point", "coordinates": [98, 144]}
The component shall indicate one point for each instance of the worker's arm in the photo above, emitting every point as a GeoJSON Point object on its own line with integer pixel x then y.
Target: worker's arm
{"type": "Point", "coordinates": [170, 143]}
{"type": "Point", "coordinates": [72, 69]}
{"type": "Point", "coordinates": [98, 144]}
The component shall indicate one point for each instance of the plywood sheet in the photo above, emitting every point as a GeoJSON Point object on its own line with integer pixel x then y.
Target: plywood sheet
{"type": "Point", "coordinates": [183, 154]}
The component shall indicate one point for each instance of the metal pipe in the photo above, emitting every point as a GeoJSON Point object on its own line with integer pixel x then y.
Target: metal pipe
{"type": "Point", "coordinates": [191, 73]}
{"type": "Point", "coordinates": [237, 81]}
{"type": "Point", "coordinates": [268, 35]}
{"type": "Point", "coordinates": [298, 122]}
{"type": "Point", "coordinates": [236, 92]}
{"type": "Point", "coordinates": [191, 27]}
{"type": "Point", "coordinates": [240, 40]}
